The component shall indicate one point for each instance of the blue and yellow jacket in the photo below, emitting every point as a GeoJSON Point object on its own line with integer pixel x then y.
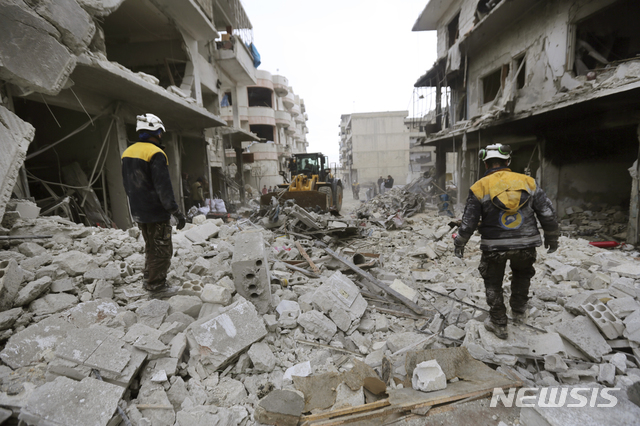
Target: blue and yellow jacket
{"type": "Point", "coordinates": [145, 174]}
{"type": "Point", "coordinates": [508, 204]}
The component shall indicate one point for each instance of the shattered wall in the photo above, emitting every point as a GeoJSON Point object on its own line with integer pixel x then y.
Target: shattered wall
{"type": "Point", "coordinates": [15, 137]}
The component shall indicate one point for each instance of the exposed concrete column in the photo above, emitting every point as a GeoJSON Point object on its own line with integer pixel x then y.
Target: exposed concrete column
{"type": "Point", "coordinates": [234, 108]}
{"type": "Point", "coordinates": [632, 228]}
{"type": "Point", "coordinates": [118, 198]}
{"type": "Point", "coordinates": [240, 173]}
{"type": "Point", "coordinates": [441, 165]}
{"type": "Point", "coordinates": [191, 80]}
{"type": "Point", "coordinates": [171, 142]}
{"type": "Point", "coordinates": [438, 106]}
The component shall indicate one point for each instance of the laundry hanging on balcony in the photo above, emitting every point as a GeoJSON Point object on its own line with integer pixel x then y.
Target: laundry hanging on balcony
{"type": "Point", "coordinates": [254, 52]}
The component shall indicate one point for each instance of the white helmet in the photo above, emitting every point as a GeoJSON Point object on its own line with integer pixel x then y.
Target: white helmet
{"type": "Point", "coordinates": [150, 122]}
{"type": "Point", "coordinates": [496, 150]}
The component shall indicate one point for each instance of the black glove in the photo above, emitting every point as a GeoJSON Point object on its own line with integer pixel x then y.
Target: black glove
{"type": "Point", "coordinates": [459, 243]}
{"type": "Point", "coordinates": [551, 244]}
{"type": "Point", "coordinates": [182, 221]}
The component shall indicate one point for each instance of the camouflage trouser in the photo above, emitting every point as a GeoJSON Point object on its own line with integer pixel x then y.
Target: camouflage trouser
{"type": "Point", "coordinates": [492, 265]}
{"type": "Point", "coordinates": [158, 250]}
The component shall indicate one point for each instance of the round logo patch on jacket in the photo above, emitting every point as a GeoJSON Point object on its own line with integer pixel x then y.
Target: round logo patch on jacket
{"type": "Point", "coordinates": [510, 221]}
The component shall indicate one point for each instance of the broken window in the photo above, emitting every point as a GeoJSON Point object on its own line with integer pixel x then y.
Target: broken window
{"type": "Point", "coordinates": [607, 36]}
{"type": "Point", "coordinates": [264, 131]}
{"type": "Point", "coordinates": [520, 65]}
{"type": "Point", "coordinates": [452, 30]}
{"type": "Point", "coordinates": [260, 97]}
{"type": "Point", "coordinates": [491, 85]}
{"type": "Point", "coordinates": [227, 100]}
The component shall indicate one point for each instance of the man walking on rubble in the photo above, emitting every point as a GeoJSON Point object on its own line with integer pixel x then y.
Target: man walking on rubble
{"type": "Point", "coordinates": [508, 204]}
{"type": "Point", "coordinates": [145, 174]}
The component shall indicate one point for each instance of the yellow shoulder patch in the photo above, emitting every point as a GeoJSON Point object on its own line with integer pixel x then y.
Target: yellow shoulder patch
{"type": "Point", "coordinates": [143, 151]}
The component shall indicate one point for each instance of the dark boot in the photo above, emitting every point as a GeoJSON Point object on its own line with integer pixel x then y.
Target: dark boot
{"type": "Point", "coordinates": [499, 330]}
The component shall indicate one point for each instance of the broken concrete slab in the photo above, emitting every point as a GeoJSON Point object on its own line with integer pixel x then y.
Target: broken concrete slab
{"type": "Point", "coordinates": [15, 134]}
{"type": "Point", "coordinates": [10, 279]}
{"type": "Point", "coordinates": [217, 339]}
{"type": "Point", "coordinates": [53, 303]}
{"type": "Point", "coordinates": [68, 402]}
{"type": "Point", "coordinates": [340, 299]}
{"type": "Point", "coordinates": [32, 290]}
{"type": "Point", "coordinates": [317, 325]}
{"type": "Point", "coordinates": [74, 262]}
{"type": "Point", "coordinates": [216, 294]}
{"type": "Point", "coordinates": [146, 339]}
{"type": "Point", "coordinates": [624, 306]}
{"type": "Point", "coordinates": [151, 396]}
{"type": "Point", "coordinates": [153, 312]}
{"type": "Point", "coordinates": [201, 233]}
{"type": "Point", "coordinates": [583, 333]}
{"type": "Point", "coordinates": [75, 25]}
{"type": "Point", "coordinates": [280, 407]}
{"type": "Point", "coordinates": [30, 249]}
{"type": "Point", "coordinates": [189, 305]}
{"type": "Point", "coordinates": [8, 318]}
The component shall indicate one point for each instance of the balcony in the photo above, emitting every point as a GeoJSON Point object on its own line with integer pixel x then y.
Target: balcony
{"type": "Point", "coordinates": [236, 61]}
{"type": "Point", "coordinates": [262, 115]}
{"type": "Point", "coordinates": [227, 113]}
{"type": "Point", "coordinates": [288, 100]}
{"type": "Point", "coordinates": [295, 110]}
{"type": "Point", "coordinates": [299, 119]}
{"type": "Point", "coordinates": [283, 118]}
{"type": "Point", "coordinates": [280, 85]}
{"type": "Point", "coordinates": [191, 17]}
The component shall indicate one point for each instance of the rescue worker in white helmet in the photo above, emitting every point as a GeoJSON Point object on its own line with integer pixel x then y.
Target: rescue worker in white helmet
{"type": "Point", "coordinates": [508, 204]}
{"type": "Point", "coordinates": [145, 175]}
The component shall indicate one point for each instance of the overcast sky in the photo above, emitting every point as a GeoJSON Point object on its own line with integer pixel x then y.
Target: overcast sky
{"type": "Point", "coordinates": [343, 56]}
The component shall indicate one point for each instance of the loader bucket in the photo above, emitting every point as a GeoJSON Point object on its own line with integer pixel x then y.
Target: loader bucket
{"type": "Point", "coordinates": [305, 199]}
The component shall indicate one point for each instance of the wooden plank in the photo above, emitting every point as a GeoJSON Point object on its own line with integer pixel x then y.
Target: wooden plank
{"type": "Point", "coordinates": [345, 411]}
{"type": "Point", "coordinates": [304, 254]}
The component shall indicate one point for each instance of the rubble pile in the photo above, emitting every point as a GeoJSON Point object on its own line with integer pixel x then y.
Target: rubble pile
{"type": "Point", "coordinates": [270, 327]}
{"type": "Point", "coordinates": [595, 221]}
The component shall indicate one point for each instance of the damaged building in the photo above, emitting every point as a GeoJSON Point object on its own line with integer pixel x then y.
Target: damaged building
{"type": "Point", "coordinates": [555, 80]}
{"type": "Point", "coordinates": [74, 75]}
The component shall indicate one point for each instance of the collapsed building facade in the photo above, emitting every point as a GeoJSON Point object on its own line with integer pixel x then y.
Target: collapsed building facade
{"type": "Point", "coordinates": [74, 75]}
{"type": "Point", "coordinates": [558, 81]}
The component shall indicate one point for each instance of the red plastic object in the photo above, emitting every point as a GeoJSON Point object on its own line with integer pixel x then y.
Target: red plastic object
{"type": "Point", "coordinates": [605, 244]}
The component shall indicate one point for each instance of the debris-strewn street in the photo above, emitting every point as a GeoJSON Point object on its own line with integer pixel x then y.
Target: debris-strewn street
{"type": "Point", "coordinates": [300, 324]}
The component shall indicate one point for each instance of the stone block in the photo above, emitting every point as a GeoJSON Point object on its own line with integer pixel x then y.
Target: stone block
{"type": "Point", "coordinates": [219, 338]}
{"type": "Point", "coordinates": [555, 363]}
{"type": "Point", "coordinates": [405, 290]}
{"type": "Point", "coordinates": [428, 376]}
{"type": "Point", "coordinates": [604, 319]}
{"type": "Point", "coordinates": [207, 415]}
{"type": "Point", "coordinates": [153, 394]}
{"type": "Point", "coordinates": [27, 209]}
{"type": "Point", "coordinates": [624, 306]}
{"type": "Point", "coordinates": [74, 262]}
{"type": "Point", "coordinates": [103, 290]}
{"type": "Point", "coordinates": [566, 273]}
{"type": "Point", "coordinates": [632, 327]}
{"type": "Point", "coordinates": [8, 318]}
{"type": "Point", "coordinates": [619, 360]}
{"type": "Point", "coordinates": [262, 358]}
{"type": "Point", "coordinates": [64, 285]}
{"type": "Point", "coordinates": [397, 341]}
{"type": "Point", "coordinates": [216, 294]}
{"type": "Point", "coordinates": [31, 291]}
{"type": "Point", "coordinates": [270, 322]}
{"type": "Point", "coordinates": [251, 270]}
{"type": "Point", "coordinates": [582, 333]}
{"type": "Point", "coordinates": [228, 392]}
{"type": "Point", "coordinates": [189, 305]}
{"type": "Point", "coordinates": [110, 273]}
{"type": "Point", "coordinates": [10, 279]}
{"type": "Point", "coordinates": [340, 299]}
{"type": "Point", "coordinates": [607, 374]}
{"type": "Point", "coordinates": [94, 348]}
{"type": "Point", "coordinates": [68, 402]}
{"type": "Point", "coordinates": [288, 312]}
{"type": "Point", "coordinates": [201, 266]}
{"type": "Point", "coordinates": [201, 233]}
{"type": "Point", "coordinates": [30, 249]}
{"type": "Point", "coordinates": [280, 407]}
{"type": "Point", "coordinates": [317, 325]}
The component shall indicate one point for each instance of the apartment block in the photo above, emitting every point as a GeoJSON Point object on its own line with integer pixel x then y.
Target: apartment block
{"type": "Point", "coordinates": [558, 81]}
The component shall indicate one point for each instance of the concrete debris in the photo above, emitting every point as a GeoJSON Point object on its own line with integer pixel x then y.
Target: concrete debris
{"type": "Point", "coordinates": [428, 376]}
{"type": "Point", "coordinates": [249, 339]}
